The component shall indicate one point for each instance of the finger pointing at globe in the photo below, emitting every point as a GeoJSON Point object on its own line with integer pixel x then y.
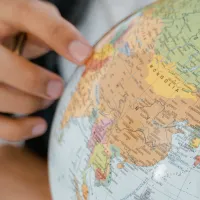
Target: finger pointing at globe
{"type": "Point", "coordinates": [25, 87]}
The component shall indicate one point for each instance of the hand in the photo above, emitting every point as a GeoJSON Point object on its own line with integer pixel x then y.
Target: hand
{"type": "Point", "coordinates": [24, 86]}
{"type": "Point", "coordinates": [23, 175]}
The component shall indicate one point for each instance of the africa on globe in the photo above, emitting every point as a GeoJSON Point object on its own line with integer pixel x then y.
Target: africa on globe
{"type": "Point", "coordinates": [128, 124]}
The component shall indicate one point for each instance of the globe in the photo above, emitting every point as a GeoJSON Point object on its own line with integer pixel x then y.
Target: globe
{"type": "Point", "coordinates": [128, 124]}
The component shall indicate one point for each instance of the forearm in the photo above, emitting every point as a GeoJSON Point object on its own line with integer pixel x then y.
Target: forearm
{"type": "Point", "coordinates": [22, 175]}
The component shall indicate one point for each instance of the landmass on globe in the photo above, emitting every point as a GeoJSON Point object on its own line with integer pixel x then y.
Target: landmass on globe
{"type": "Point", "coordinates": [139, 90]}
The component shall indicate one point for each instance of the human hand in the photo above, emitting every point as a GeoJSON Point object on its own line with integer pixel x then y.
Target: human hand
{"type": "Point", "coordinates": [23, 175]}
{"type": "Point", "coordinates": [24, 86]}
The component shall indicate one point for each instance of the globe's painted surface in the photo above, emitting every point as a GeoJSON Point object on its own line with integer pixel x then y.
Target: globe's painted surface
{"type": "Point", "coordinates": [128, 125]}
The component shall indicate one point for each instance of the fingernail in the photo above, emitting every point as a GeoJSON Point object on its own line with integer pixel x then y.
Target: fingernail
{"type": "Point", "coordinates": [54, 89]}
{"type": "Point", "coordinates": [39, 129]}
{"type": "Point", "coordinates": [47, 103]}
{"type": "Point", "coordinates": [79, 51]}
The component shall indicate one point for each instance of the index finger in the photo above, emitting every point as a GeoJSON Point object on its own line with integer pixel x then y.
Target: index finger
{"type": "Point", "coordinates": [44, 21]}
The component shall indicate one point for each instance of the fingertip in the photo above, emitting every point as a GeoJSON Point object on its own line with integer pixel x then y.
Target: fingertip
{"type": "Point", "coordinates": [39, 129]}
{"type": "Point", "coordinates": [55, 88]}
{"type": "Point", "coordinates": [33, 126]}
{"type": "Point", "coordinates": [79, 51]}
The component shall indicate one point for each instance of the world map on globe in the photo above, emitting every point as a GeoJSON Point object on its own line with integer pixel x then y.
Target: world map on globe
{"type": "Point", "coordinates": [128, 124]}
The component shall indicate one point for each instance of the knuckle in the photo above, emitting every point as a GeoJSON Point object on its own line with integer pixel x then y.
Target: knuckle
{"type": "Point", "coordinates": [23, 8]}
{"type": "Point", "coordinates": [55, 30]}
{"type": "Point", "coordinates": [32, 106]}
{"type": "Point", "coordinates": [11, 130]}
{"type": "Point", "coordinates": [15, 133]}
{"type": "Point", "coordinates": [31, 7]}
{"type": "Point", "coordinates": [35, 80]}
{"type": "Point", "coordinates": [31, 79]}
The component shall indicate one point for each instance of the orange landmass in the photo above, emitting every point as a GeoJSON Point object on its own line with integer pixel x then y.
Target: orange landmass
{"type": "Point", "coordinates": [85, 191]}
{"type": "Point", "coordinates": [95, 64]}
{"type": "Point", "coordinates": [82, 101]}
{"type": "Point", "coordinates": [120, 166]}
{"type": "Point", "coordinates": [143, 117]}
{"type": "Point", "coordinates": [100, 58]}
{"type": "Point", "coordinates": [78, 196]}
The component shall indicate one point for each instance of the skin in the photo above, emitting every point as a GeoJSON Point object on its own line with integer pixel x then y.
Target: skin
{"type": "Point", "coordinates": [23, 175]}
{"type": "Point", "coordinates": [25, 87]}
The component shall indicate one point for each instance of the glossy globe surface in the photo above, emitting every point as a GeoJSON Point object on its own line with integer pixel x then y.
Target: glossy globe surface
{"type": "Point", "coordinates": [128, 124]}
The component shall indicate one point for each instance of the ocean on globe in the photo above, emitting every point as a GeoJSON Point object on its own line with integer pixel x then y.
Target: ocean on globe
{"type": "Point", "coordinates": [128, 124]}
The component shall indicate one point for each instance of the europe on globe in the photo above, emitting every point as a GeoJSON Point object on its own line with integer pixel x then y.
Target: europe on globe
{"type": "Point", "coordinates": [128, 124]}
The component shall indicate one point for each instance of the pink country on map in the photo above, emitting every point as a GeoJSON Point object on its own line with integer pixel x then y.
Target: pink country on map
{"type": "Point", "coordinates": [99, 132]}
